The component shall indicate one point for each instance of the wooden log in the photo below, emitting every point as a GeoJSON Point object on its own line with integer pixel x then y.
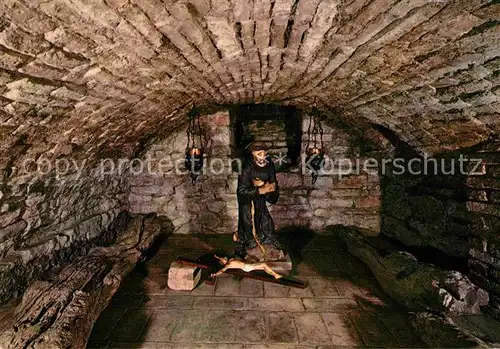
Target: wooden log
{"type": "Point", "coordinates": [60, 312]}
{"type": "Point", "coordinates": [415, 284]}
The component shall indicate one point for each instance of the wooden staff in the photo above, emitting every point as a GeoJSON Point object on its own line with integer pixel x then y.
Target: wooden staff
{"type": "Point", "coordinates": [254, 232]}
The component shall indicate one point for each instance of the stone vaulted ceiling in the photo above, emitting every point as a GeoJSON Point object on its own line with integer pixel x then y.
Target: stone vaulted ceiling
{"type": "Point", "coordinates": [97, 76]}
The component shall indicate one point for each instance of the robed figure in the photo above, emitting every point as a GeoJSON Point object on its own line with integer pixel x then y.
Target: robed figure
{"type": "Point", "coordinates": [257, 185]}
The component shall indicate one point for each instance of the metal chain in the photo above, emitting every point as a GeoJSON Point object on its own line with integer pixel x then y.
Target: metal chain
{"type": "Point", "coordinates": [193, 132]}
{"type": "Point", "coordinates": [309, 131]}
{"type": "Point", "coordinates": [320, 132]}
{"type": "Point", "coordinates": [188, 131]}
{"type": "Point", "coordinates": [315, 131]}
{"type": "Point", "coordinates": [199, 129]}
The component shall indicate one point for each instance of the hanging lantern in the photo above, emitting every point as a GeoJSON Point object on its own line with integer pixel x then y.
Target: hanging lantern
{"type": "Point", "coordinates": [315, 155]}
{"type": "Point", "coordinates": [194, 153]}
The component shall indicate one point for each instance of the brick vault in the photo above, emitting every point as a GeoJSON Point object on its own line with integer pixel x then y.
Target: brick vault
{"type": "Point", "coordinates": [86, 80]}
{"type": "Point", "coordinates": [96, 76]}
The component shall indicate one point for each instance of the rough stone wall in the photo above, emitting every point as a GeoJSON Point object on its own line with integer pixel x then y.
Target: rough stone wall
{"type": "Point", "coordinates": [458, 215]}
{"type": "Point", "coordinates": [483, 204]}
{"type": "Point", "coordinates": [46, 221]}
{"type": "Point", "coordinates": [272, 134]}
{"type": "Point", "coordinates": [425, 212]}
{"type": "Point", "coordinates": [342, 194]}
{"type": "Point", "coordinates": [211, 205]}
{"type": "Point", "coordinates": [278, 127]}
{"type": "Point", "coordinates": [350, 200]}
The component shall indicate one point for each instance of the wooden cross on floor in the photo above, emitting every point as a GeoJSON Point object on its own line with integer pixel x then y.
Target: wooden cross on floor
{"type": "Point", "coordinates": [258, 275]}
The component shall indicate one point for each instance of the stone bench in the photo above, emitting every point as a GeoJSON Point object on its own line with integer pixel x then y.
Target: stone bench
{"type": "Point", "coordinates": [60, 312]}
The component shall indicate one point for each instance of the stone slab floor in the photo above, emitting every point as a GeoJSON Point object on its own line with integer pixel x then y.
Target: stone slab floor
{"type": "Point", "coordinates": [342, 307]}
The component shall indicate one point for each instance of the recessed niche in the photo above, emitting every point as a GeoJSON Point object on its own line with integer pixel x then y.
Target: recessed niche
{"type": "Point", "coordinates": [279, 127]}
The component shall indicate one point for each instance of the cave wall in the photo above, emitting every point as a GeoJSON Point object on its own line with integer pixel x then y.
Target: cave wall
{"type": "Point", "coordinates": [47, 220]}
{"type": "Point", "coordinates": [210, 206]}
{"type": "Point", "coordinates": [453, 220]}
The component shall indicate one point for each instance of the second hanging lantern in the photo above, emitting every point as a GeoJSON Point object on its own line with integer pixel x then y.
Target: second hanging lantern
{"type": "Point", "coordinates": [315, 154]}
{"type": "Point", "coordinates": [194, 153]}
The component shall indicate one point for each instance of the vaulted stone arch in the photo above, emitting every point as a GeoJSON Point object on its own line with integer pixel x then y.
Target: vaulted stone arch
{"type": "Point", "coordinates": [106, 72]}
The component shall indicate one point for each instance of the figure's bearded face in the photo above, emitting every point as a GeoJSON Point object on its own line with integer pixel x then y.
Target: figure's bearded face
{"type": "Point", "coordinates": [260, 157]}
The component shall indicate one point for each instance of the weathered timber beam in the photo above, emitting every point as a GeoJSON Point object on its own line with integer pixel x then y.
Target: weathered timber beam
{"type": "Point", "coordinates": [60, 312]}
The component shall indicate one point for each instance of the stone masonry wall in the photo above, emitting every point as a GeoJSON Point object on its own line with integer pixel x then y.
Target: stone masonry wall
{"type": "Point", "coordinates": [342, 194]}
{"type": "Point", "coordinates": [425, 212]}
{"type": "Point", "coordinates": [46, 221]}
{"type": "Point", "coordinates": [278, 127]}
{"type": "Point", "coordinates": [271, 133]}
{"type": "Point", "coordinates": [483, 204]}
{"type": "Point", "coordinates": [458, 215]}
{"type": "Point", "coordinates": [210, 206]}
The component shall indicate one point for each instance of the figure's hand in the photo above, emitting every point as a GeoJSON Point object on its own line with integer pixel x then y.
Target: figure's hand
{"type": "Point", "coordinates": [258, 182]}
{"type": "Point", "coordinates": [267, 188]}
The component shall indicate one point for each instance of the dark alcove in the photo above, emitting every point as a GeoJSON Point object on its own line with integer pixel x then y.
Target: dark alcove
{"type": "Point", "coordinates": [279, 127]}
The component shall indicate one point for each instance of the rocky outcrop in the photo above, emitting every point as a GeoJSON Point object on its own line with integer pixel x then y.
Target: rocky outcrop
{"type": "Point", "coordinates": [414, 284]}
{"type": "Point", "coordinates": [432, 293]}
{"type": "Point", "coordinates": [59, 312]}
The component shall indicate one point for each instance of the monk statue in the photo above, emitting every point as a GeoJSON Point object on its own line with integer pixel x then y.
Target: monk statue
{"type": "Point", "coordinates": [257, 186]}
{"type": "Point", "coordinates": [234, 263]}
